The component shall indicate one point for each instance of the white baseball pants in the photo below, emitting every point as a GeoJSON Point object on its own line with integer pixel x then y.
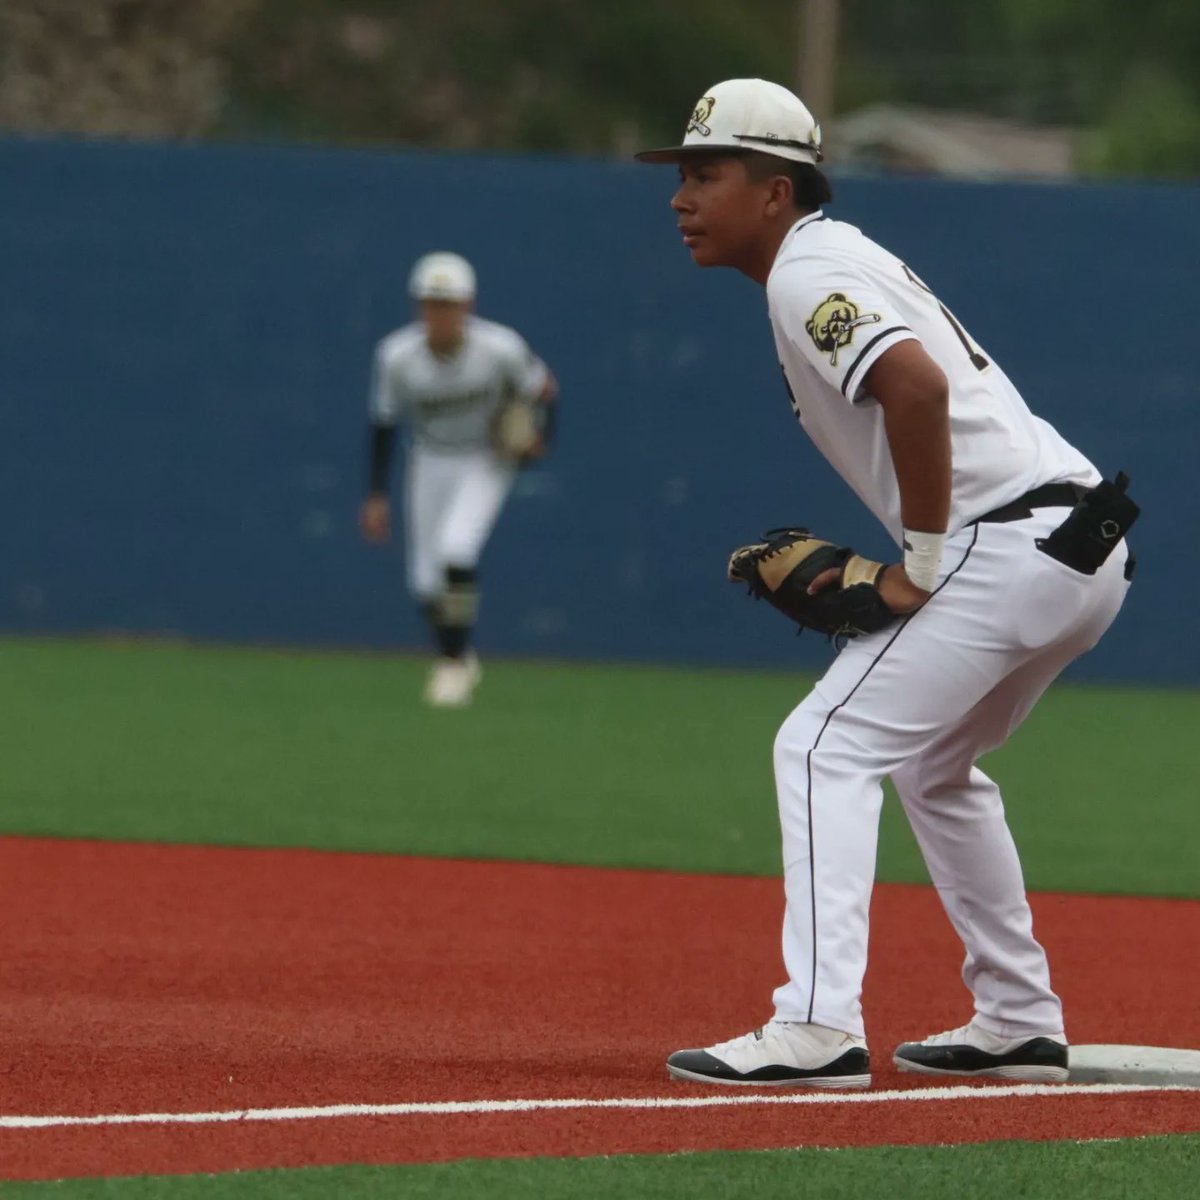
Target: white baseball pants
{"type": "Point", "coordinates": [452, 500]}
{"type": "Point", "coordinates": [921, 702]}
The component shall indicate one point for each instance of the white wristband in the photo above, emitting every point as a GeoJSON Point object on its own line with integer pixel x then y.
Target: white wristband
{"type": "Point", "coordinates": [922, 557]}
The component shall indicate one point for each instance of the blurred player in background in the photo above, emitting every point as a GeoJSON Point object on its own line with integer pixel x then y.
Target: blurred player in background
{"type": "Point", "coordinates": [476, 403]}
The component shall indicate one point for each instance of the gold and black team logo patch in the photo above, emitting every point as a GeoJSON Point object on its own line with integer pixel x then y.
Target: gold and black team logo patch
{"type": "Point", "coordinates": [833, 323]}
{"type": "Point", "coordinates": [700, 116]}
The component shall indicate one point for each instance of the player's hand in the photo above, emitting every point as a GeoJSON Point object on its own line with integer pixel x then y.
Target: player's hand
{"type": "Point", "coordinates": [536, 451]}
{"type": "Point", "coordinates": [375, 519]}
{"type": "Point", "coordinates": [899, 592]}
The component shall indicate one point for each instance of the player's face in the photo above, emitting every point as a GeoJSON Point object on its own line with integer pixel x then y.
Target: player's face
{"type": "Point", "coordinates": [720, 211]}
{"type": "Point", "coordinates": [444, 321]}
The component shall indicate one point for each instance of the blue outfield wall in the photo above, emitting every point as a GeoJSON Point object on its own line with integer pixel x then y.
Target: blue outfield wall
{"type": "Point", "coordinates": [185, 336]}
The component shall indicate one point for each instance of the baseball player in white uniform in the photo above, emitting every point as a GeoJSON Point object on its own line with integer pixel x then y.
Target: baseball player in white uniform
{"type": "Point", "coordinates": [450, 378]}
{"type": "Point", "coordinates": [936, 441]}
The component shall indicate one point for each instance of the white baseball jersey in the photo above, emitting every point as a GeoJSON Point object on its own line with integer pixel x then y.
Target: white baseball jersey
{"type": "Point", "coordinates": [448, 403]}
{"type": "Point", "coordinates": [837, 301]}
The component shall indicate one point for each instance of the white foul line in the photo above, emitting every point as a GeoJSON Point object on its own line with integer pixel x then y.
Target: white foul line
{"type": "Point", "coordinates": [454, 1107]}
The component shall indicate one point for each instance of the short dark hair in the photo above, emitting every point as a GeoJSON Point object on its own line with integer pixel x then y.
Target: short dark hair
{"type": "Point", "coordinates": [810, 187]}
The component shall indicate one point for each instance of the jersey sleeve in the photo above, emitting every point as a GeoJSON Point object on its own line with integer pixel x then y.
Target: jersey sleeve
{"type": "Point", "coordinates": [386, 402]}
{"type": "Point", "coordinates": [836, 318]}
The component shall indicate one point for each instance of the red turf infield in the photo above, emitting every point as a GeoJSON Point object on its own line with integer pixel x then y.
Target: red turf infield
{"type": "Point", "coordinates": [149, 978]}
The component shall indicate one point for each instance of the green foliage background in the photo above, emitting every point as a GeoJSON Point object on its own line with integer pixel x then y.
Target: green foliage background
{"type": "Point", "coordinates": [543, 75]}
{"type": "Point", "coordinates": [554, 75]}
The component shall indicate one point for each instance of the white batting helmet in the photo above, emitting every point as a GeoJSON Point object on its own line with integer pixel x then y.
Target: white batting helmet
{"type": "Point", "coordinates": [442, 276]}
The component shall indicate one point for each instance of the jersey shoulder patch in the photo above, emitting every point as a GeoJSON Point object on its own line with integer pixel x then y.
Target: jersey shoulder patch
{"type": "Point", "coordinates": [834, 322]}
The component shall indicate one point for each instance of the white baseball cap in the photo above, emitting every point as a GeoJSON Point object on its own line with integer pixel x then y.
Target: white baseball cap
{"type": "Point", "coordinates": [442, 276]}
{"type": "Point", "coordinates": [746, 114]}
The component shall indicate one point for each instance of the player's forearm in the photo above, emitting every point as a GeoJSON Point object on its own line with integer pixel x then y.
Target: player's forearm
{"type": "Point", "coordinates": [915, 397]}
{"type": "Point", "coordinates": [918, 433]}
{"type": "Point", "coordinates": [379, 458]}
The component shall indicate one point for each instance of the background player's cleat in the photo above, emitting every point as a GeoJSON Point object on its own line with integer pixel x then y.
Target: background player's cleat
{"type": "Point", "coordinates": [780, 1054]}
{"type": "Point", "coordinates": [452, 682]}
{"type": "Point", "coordinates": [976, 1052]}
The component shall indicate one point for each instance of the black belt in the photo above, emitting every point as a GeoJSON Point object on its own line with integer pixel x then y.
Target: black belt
{"type": "Point", "coordinates": [1049, 495]}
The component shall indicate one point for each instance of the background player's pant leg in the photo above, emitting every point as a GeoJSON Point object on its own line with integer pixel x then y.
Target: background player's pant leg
{"type": "Point", "coordinates": [430, 483]}
{"type": "Point", "coordinates": [885, 699]}
{"type": "Point", "coordinates": [479, 493]}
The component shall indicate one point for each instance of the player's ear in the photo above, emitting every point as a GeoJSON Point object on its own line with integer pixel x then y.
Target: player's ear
{"type": "Point", "coordinates": [779, 195]}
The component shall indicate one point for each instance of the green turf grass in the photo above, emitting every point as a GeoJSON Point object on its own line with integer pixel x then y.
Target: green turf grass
{"type": "Point", "coordinates": [587, 764]}
{"type": "Point", "coordinates": [1164, 1168]}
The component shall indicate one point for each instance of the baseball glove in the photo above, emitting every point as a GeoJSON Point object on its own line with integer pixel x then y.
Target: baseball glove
{"type": "Point", "coordinates": [780, 568]}
{"type": "Point", "coordinates": [517, 431]}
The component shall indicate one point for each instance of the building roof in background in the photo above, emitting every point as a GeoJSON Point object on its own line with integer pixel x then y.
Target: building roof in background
{"type": "Point", "coordinates": [926, 141]}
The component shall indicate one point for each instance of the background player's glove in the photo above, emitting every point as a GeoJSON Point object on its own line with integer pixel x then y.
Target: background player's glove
{"type": "Point", "coordinates": [517, 431]}
{"type": "Point", "coordinates": [781, 567]}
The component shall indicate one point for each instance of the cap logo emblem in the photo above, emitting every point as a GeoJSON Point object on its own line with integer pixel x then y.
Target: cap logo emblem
{"type": "Point", "coordinates": [700, 116]}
